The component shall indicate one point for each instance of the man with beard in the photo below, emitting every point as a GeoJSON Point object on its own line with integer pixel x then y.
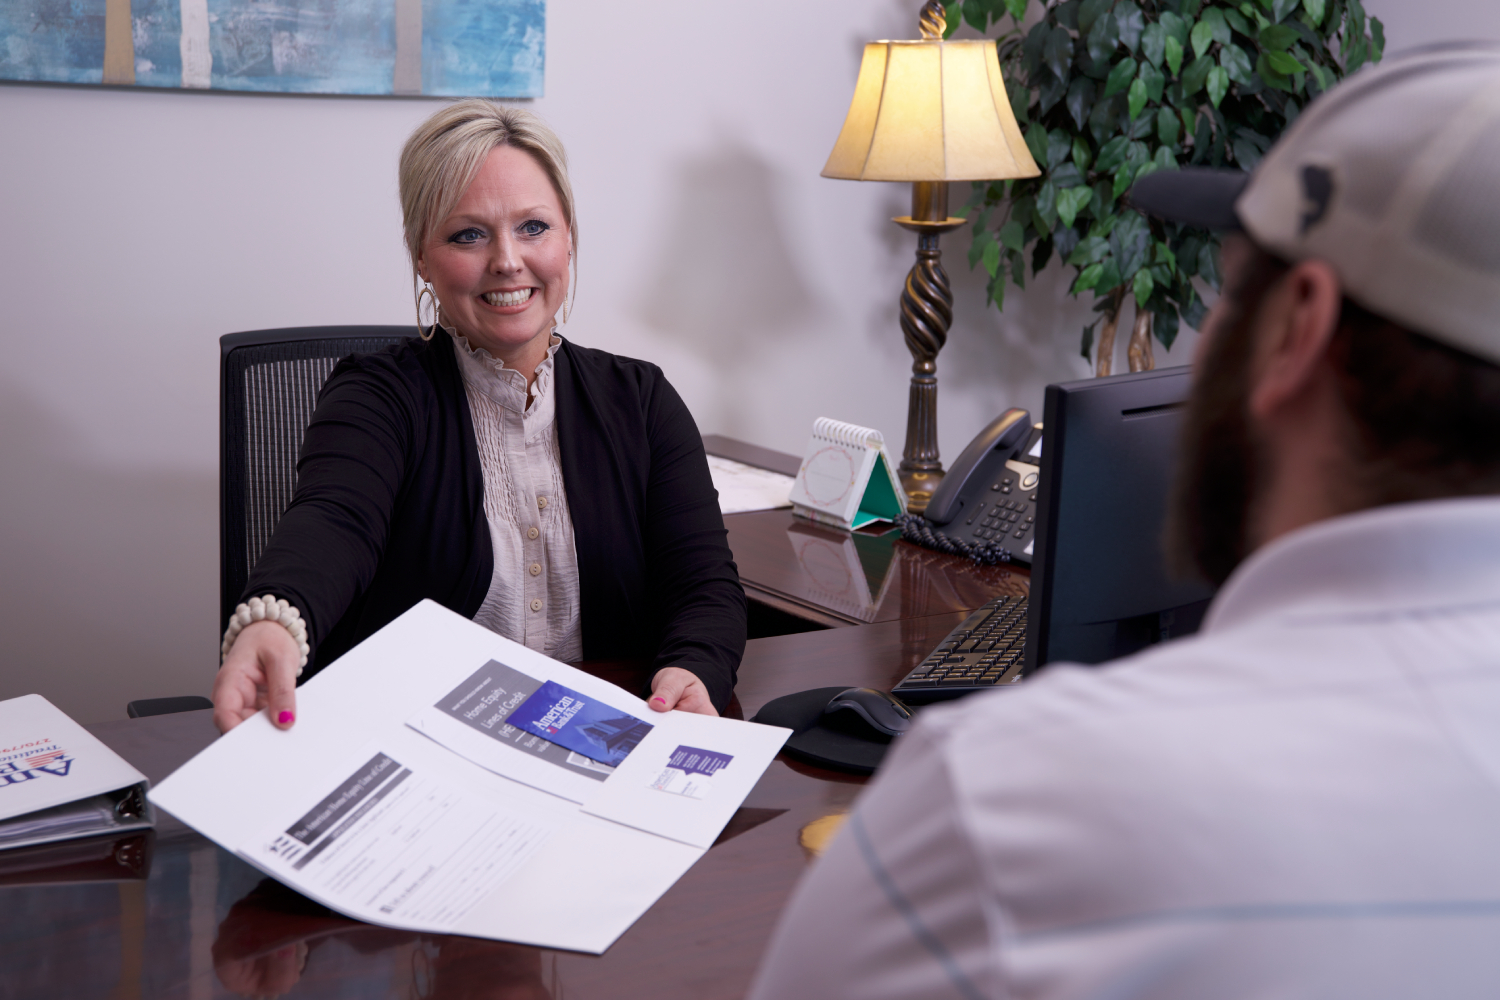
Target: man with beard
{"type": "Point", "coordinates": [1303, 799]}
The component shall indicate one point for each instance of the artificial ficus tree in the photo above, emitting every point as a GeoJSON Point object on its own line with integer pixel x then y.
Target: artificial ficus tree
{"type": "Point", "coordinates": [1110, 90]}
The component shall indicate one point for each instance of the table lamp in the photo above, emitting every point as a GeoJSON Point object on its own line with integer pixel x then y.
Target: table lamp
{"type": "Point", "coordinates": [928, 112]}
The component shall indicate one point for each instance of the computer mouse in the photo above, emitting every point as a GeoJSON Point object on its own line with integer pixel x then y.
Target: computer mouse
{"type": "Point", "coordinates": [881, 710]}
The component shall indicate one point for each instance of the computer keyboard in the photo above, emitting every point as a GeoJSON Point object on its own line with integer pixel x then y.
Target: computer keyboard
{"type": "Point", "coordinates": [987, 650]}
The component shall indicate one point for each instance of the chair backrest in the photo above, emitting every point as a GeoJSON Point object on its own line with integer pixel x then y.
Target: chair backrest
{"type": "Point", "coordinates": [269, 382]}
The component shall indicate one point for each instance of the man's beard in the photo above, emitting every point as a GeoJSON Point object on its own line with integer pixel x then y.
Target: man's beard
{"type": "Point", "coordinates": [1220, 476]}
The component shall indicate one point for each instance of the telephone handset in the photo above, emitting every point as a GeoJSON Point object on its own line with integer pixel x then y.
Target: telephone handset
{"type": "Point", "coordinates": [990, 493]}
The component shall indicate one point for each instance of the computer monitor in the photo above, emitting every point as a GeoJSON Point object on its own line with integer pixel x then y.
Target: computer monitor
{"type": "Point", "coordinates": [1099, 583]}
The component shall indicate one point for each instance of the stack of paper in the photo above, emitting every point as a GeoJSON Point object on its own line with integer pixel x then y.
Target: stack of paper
{"type": "Point", "coordinates": [442, 778]}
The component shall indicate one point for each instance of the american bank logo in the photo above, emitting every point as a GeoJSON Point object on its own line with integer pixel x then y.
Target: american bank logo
{"type": "Point", "coordinates": [38, 759]}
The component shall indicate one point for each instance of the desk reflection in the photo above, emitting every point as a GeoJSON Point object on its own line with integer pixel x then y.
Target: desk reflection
{"type": "Point", "coordinates": [268, 944]}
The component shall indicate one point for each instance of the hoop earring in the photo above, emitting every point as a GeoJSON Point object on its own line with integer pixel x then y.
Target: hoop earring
{"type": "Point", "coordinates": [427, 332]}
{"type": "Point", "coordinates": [572, 288]}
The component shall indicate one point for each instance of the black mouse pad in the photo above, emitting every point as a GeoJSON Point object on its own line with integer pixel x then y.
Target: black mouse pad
{"type": "Point", "coordinates": [824, 742]}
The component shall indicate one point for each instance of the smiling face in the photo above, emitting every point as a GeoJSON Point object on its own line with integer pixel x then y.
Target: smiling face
{"type": "Point", "coordinates": [499, 261]}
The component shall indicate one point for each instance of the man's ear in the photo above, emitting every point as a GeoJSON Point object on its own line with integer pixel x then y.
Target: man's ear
{"type": "Point", "coordinates": [1296, 324]}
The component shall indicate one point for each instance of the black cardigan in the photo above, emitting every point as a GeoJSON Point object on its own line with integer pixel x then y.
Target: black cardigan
{"type": "Point", "coordinates": [389, 509]}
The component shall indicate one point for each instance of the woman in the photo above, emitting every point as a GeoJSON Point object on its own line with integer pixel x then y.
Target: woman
{"type": "Point", "coordinates": [556, 494]}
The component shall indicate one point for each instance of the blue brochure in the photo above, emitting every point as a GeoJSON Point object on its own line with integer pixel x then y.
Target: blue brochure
{"type": "Point", "coordinates": [563, 716]}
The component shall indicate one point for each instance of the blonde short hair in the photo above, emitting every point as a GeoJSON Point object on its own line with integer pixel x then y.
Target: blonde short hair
{"type": "Point", "coordinates": [444, 154]}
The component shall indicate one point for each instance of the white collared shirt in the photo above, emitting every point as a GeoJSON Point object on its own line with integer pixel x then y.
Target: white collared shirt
{"type": "Point", "coordinates": [1302, 800]}
{"type": "Point", "coordinates": [533, 595]}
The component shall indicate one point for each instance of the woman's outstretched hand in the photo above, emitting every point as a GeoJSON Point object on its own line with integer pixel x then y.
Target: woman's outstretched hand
{"type": "Point", "coordinates": [259, 672]}
{"type": "Point", "coordinates": [673, 687]}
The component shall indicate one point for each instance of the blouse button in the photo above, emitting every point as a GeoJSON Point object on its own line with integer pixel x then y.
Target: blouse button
{"type": "Point", "coordinates": [541, 503]}
{"type": "Point", "coordinates": [531, 533]}
{"type": "Point", "coordinates": [536, 605]}
{"type": "Point", "coordinates": [536, 569]}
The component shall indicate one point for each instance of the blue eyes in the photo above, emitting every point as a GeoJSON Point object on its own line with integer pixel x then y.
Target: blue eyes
{"type": "Point", "coordinates": [473, 235]}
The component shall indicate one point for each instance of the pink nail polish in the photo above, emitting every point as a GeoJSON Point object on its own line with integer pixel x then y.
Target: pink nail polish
{"type": "Point", "coordinates": [285, 717]}
{"type": "Point", "coordinates": [660, 701]}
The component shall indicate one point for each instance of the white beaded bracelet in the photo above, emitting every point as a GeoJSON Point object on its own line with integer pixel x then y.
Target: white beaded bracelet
{"type": "Point", "coordinates": [270, 609]}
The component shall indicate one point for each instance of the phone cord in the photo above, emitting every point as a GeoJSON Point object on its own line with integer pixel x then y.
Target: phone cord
{"type": "Point", "coordinates": [916, 529]}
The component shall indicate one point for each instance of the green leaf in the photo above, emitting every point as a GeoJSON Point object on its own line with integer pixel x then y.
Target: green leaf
{"type": "Point", "coordinates": [1189, 120]}
{"type": "Point", "coordinates": [1144, 285]}
{"type": "Point", "coordinates": [1321, 75]}
{"type": "Point", "coordinates": [1377, 34]}
{"type": "Point", "coordinates": [1088, 278]}
{"type": "Point", "coordinates": [1057, 53]}
{"type": "Point", "coordinates": [1088, 340]}
{"type": "Point", "coordinates": [1281, 8]}
{"type": "Point", "coordinates": [1109, 278]}
{"type": "Point", "coordinates": [1175, 26]}
{"type": "Point", "coordinates": [982, 239]}
{"type": "Point", "coordinates": [1059, 147]}
{"type": "Point", "coordinates": [1314, 10]}
{"type": "Point", "coordinates": [1283, 63]}
{"type": "Point", "coordinates": [1090, 250]}
{"type": "Point", "coordinates": [1154, 81]}
{"type": "Point", "coordinates": [1120, 77]}
{"type": "Point", "coordinates": [1013, 236]}
{"type": "Point", "coordinates": [1167, 127]}
{"type": "Point", "coordinates": [1268, 73]}
{"type": "Point", "coordinates": [1036, 141]}
{"type": "Point", "coordinates": [1279, 38]}
{"type": "Point", "coordinates": [1104, 38]}
{"type": "Point", "coordinates": [1112, 154]}
{"type": "Point", "coordinates": [1174, 55]}
{"type": "Point", "coordinates": [1137, 99]}
{"type": "Point", "coordinates": [991, 256]}
{"type": "Point", "coordinates": [1164, 255]}
{"type": "Point", "coordinates": [1217, 24]}
{"type": "Point", "coordinates": [1154, 43]}
{"type": "Point", "coordinates": [1164, 327]}
{"type": "Point", "coordinates": [1081, 154]}
{"type": "Point", "coordinates": [1195, 75]}
{"type": "Point", "coordinates": [1208, 264]}
{"type": "Point", "coordinates": [977, 14]}
{"type": "Point", "coordinates": [1016, 9]}
{"type": "Point", "coordinates": [1080, 100]}
{"type": "Point", "coordinates": [1202, 37]}
{"type": "Point", "coordinates": [1237, 64]}
{"type": "Point", "coordinates": [1218, 84]}
{"type": "Point", "coordinates": [1046, 207]}
{"type": "Point", "coordinates": [1124, 177]}
{"type": "Point", "coordinates": [1089, 12]}
{"type": "Point", "coordinates": [1238, 22]}
{"type": "Point", "coordinates": [1071, 202]}
{"type": "Point", "coordinates": [1131, 23]}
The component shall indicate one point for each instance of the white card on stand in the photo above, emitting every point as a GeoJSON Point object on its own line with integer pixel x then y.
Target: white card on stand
{"type": "Point", "coordinates": [847, 478]}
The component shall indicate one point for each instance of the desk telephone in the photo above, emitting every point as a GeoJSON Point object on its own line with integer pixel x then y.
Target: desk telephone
{"type": "Point", "coordinates": [990, 493]}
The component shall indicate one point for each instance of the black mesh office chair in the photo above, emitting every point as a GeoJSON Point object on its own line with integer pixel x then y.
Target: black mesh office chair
{"type": "Point", "coordinates": [269, 382]}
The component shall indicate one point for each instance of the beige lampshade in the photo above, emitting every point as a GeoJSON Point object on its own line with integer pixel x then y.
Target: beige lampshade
{"type": "Point", "coordinates": [930, 111]}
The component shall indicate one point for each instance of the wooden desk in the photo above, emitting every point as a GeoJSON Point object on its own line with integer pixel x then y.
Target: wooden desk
{"type": "Point", "coordinates": [832, 578]}
{"type": "Point", "coordinates": [205, 924]}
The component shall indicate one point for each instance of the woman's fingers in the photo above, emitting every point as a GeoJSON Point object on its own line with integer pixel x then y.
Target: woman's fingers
{"type": "Point", "coordinates": [673, 687]}
{"type": "Point", "coordinates": [259, 672]}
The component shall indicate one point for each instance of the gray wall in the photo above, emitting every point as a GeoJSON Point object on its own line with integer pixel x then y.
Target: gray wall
{"type": "Point", "coordinates": [138, 227]}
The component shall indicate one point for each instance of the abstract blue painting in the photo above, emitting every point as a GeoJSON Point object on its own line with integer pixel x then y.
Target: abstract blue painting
{"type": "Point", "coordinates": [450, 48]}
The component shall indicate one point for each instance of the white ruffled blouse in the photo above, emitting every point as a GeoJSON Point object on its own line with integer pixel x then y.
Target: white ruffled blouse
{"type": "Point", "coordinates": [533, 595]}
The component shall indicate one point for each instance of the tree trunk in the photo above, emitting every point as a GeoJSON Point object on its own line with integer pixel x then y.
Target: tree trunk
{"type": "Point", "coordinates": [1139, 349]}
{"type": "Point", "coordinates": [1105, 361]}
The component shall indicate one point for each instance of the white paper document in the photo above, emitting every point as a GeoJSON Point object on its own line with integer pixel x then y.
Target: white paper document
{"type": "Point", "coordinates": [439, 777]}
{"type": "Point", "coordinates": [744, 487]}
